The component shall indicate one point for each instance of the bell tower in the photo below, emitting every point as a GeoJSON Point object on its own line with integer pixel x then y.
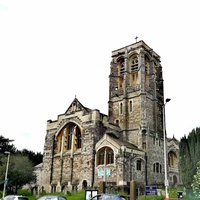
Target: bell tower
{"type": "Point", "coordinates": [136, 93]}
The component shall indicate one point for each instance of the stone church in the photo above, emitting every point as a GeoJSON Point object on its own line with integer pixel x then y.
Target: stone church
{"type": "Point", "coordinates": [84, 147]}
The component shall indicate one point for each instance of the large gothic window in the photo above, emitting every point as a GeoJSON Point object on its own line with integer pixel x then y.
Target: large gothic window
{"type": "Point", "coordinates": [69, 136]}
{"type": "Point", "coordinates": [105, 155]}
{"type": "Point", "coordinates": [172, 159]}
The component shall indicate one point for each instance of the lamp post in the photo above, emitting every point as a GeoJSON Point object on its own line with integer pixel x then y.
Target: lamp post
{"type": "Point", "coordinates": [165, 154]}
{"type": "Point", "coordinates": [5, 181]}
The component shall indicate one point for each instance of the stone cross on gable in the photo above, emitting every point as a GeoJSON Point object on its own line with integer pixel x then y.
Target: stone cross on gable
{"type": "Point", "coordinates": [136, 38]}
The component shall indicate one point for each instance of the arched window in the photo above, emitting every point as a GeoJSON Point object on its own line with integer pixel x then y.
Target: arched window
{"type": "Point", "coordinates": [105, 155]}
{"type": "Point", "coordinates": [134, 70]}
{"type": "Point", "coordinates": [110, 156]}
{"type": "Point", "coordinates": [117, 122]}
{"type": "Point", "coordinates": [78, 139]}
{"type": "Point", "coordinates": [121, 71]}
{"type": "Point", "coordinates": [134, 65]}
{"type": "Point", "coordinates": [121, 66]}
{"type": "Point", "coordinates": [172, 159]}
{"type": "Point", "coordinates": [71, 133]}
{"type": "Point", "coordinates": [157, 167]}
{"type": "Point", "coordinates": [147, 70]}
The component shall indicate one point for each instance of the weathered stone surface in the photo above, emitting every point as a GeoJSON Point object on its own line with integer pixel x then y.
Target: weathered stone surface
{"type": "Point", "coordinates": [130, 137]}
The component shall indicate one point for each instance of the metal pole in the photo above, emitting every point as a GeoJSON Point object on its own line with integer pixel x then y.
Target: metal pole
{"type": "Point", "coordinates": [165, 153]}
{"type": "Point", "coordinates": [105, 166]}
{"type": "Point", "coordinates": [5, 181]}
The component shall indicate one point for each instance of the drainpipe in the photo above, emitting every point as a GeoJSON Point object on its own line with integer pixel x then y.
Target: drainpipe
{"type": "Point", "coordinates": [93, 161]}
{"type": "Point", "coordinates": [146, 179]}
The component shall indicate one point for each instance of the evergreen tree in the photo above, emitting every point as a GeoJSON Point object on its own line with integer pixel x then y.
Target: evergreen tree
{"type": "Point", "coordinates": [196, 182]}
{"type": "Point", "coordinates": [5, 145]}
{"type": "Point", "coordinates": [189, 153]}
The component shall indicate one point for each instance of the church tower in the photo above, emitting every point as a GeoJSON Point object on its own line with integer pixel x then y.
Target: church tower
{"type": "Point", "coordinates": [136, 99]}
{"type": "Point", "coordinates": [136, 92]}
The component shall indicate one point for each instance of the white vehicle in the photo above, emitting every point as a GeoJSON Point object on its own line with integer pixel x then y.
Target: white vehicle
{"type": "Point", "coordinates": [15, 197]}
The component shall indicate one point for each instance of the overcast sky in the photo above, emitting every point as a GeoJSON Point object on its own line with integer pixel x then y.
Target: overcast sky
{"type": "Point", "coordinates": [54, 50]}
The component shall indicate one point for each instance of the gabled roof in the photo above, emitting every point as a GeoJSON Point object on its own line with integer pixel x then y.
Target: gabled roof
{"type": "Point", "coordinates": [76, 106]}
{"type": "Point", "coordinates": [173, 139]}
{"type": "Point", "coordinates": [116, 142]}
{"type": "Point", "coordinates": [127, 144]}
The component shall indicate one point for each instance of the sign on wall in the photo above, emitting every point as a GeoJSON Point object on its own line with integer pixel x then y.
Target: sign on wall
{"type": "Point", "coordinates": [151, 190]}
{"type": "Point", "coordinates": [102, 172]}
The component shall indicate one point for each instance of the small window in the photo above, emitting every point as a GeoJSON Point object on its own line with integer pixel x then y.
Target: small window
{"type": "Point", "coordinates": [147, 72]}
{"type": "Point", "coordinates": [139, 165]}
{"type": "Point", "coordinates": [121, 108]}
{"type": "Point", "coordinates": [120, 82]}
{"type": "Point", "coordinates": [144, 145]}
{"type": "Point", "coordinates": [117, 122]}
{"type": "Point", "coordinates": [154, 140]}
{"type": "Point", "coordinates": [157, 168]}
{"type": "Point", "coordinates": [134, 66]}
{"type": "Point", "coordinates": [131, 106]}
{"type": "Point", "coordinates": [122, 68]}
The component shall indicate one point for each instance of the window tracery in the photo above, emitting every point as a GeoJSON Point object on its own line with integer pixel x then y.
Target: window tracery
{"type": "Point", "coordinates": [105, 155]}
{"type": "Point", "coordinates": [65, 139]}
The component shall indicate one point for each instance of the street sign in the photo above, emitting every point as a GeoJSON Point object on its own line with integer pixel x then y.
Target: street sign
{"type": "Point", "coordinates": [151, 190]}
{"type": "Point", "coordinates": [6, 181]}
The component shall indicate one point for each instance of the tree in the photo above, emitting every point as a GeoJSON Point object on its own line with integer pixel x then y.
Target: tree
{"type": "Point", "coordinates": [5, 145]}
{"type": "Point", "coordinates": [189, 151]}
{"type": "Point", "coordinates": [20, 172]}
{"type": "Point", "coordinates": [36, 158]}
{"type": "Point", "coordinates": [196, 181]}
